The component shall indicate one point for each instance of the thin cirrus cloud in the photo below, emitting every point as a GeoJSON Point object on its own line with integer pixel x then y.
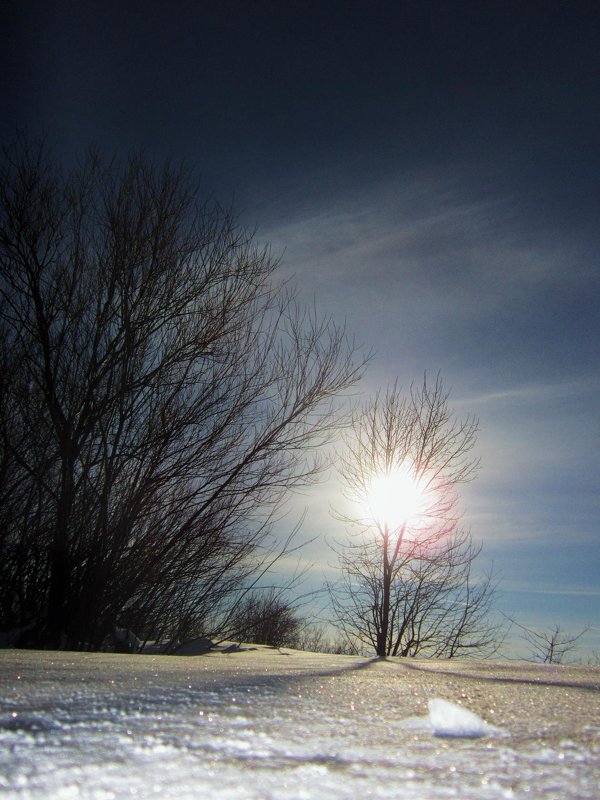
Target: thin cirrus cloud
{"type": "Point", "coordinates": [426, 239]}
{"type": "Point", "coordinates": [433, 276]}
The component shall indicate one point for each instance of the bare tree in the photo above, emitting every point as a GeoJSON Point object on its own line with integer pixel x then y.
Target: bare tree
{"type": "Point", "coordinates": [406, 585]}
{"type": "Point", "coordinates": [311, 637]}
{"type": "Point", "coordinates": [267, 618]}
{"type": "Point", "coordinates": [550, 645]}
{"type": "Point", "coordinates": [436, 607]}
{"type": "Point", "coordinates": [165, 394]}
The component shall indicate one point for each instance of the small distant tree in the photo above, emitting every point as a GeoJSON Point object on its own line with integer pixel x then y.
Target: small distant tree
{"type": "Point", "coordinates": [550, 645]}
{"type": "Point", "coordinates": [267, 618]}
{"type": "Point", "coordinates": [406, 584]}
{"type": "Point", "coordinates": [343, 646]}
{"type": "Point", "coordinates": [311, 637]}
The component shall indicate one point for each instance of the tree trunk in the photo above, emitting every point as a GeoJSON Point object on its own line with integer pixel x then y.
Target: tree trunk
{"type": "Point", "coordinates": [59, 560]}
{"type": "Point", "coordinates": [382, 634]}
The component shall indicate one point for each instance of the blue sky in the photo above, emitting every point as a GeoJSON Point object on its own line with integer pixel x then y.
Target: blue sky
{"type": "Point", "coordinates": [430, 172]}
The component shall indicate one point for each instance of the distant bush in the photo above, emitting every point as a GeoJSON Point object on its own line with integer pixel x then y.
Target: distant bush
{"type": "Point", "coordinates": [267, 619]}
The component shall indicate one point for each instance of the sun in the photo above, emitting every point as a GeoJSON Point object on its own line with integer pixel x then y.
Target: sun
{"type": "Point", "coordinates": [395, 498]}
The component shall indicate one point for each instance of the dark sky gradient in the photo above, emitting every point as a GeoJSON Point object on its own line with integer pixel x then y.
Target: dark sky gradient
{"type": "Point", "coordinates": [431, 172]}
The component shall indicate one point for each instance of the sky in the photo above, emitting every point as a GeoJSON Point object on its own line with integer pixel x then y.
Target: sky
{"type": "Point", "coordinates": [429, 171]}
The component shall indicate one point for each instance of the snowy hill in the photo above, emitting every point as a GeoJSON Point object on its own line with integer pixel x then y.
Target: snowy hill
{"type": "Point", "coordinates": [262, 723]}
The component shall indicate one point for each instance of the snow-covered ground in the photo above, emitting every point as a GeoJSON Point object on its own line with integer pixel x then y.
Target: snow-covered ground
{"type": "Point", "coordinates": [268, 724]}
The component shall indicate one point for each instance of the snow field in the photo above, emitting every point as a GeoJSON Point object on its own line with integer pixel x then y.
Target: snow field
{"type": "Point", "coordinates": [297, 727]}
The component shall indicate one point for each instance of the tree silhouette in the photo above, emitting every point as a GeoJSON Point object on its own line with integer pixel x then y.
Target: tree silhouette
{"type": "Point", "coordinates": [160, 395]}
{"type": "Point", "coordinates": [406, 586]}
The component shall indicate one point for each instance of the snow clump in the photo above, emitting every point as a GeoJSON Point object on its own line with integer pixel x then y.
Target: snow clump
{"type": "Point", "coordinates": [450, 720]}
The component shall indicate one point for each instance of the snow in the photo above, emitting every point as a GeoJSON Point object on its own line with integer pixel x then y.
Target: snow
{"type": "Point", "coordinates": [452, 721]}
{"type": "Point", "coordinates": [448, 719]}
{"type": "Point", "coordinates": [294, 726]}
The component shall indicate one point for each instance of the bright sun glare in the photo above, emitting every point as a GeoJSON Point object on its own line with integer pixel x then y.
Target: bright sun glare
{"type": "Point", "coordinates": [395, 498]}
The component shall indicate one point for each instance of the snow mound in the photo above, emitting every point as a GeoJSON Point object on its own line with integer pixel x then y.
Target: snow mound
{"type": "Point", "coordinates": [449, 719]}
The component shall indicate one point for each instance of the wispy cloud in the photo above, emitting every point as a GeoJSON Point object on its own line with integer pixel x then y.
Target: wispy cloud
{"type": "Point", "coordinates": [428, 233]}
{"type": "Point", "coordinates": [512, 586]}
{"type": "Point", "coordinates": [534, 393]}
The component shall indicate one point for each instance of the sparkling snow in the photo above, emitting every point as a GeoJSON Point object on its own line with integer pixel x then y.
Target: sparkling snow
{"type": "Point", "coordinates": [295, 726]}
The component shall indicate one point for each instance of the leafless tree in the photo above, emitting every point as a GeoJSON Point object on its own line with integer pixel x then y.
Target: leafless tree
{"type": "Point", "coordinates": [550, 645]}
{"type": "Point", "coordinates": [406, 586]}
{"type": "Point", "coordinates": [311, 637]}
{"type": "Point", "coordinates": [436, 608]}
{"type": "Point", "coordinates": [162, 395]}
{"type": "Point", "coordinates": [267, 618]}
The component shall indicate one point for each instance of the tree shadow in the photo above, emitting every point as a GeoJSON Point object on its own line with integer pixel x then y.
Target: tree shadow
{"type": "Point", "coordinates": [558, 683]}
